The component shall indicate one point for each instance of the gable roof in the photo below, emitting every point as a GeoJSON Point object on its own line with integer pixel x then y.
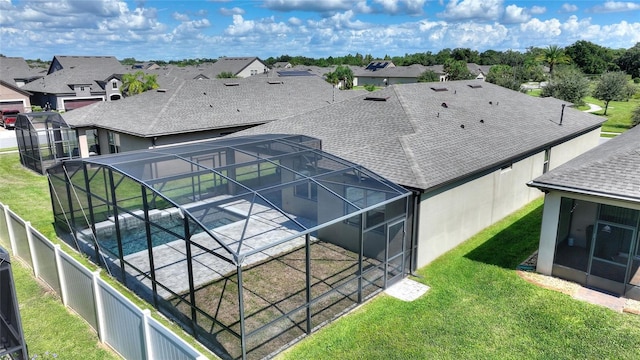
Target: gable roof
{"type": "Point", "coordinates": [412, 139]}
{"type": "Point", "coordinates": [12, 68]}
{"type": "Point", "coordinates": [73, 61]}
{"type": "Point", "coordinates": [233, 65]}
{"type": "Point", "coordinates": [200, 105]}
{"type": "Point", "coordinates": [610, 170]}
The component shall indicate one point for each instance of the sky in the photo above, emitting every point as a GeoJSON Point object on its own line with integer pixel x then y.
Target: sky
{"type": "Point", "coordinates": [189, 29]}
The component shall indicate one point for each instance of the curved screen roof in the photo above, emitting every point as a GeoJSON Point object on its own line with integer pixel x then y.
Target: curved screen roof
{"type": "Point", "coordinates": [253, 193]}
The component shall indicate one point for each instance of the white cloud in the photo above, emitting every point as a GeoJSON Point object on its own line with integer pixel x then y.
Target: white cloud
{"type": "Point", "coordinates": [339, 21]}
{"type": "Point", "coordinates": [232, 11]}
{"type": "Point", "coordinates": [537, 28]}
{"type": "Point", "coordinates": [295, 21]}
{"type": "Point", "coordinates": [311, 6]}
{"type": "Point", "coordinates": [568, 8]}
{"type": "Point", "coordinates": [538, 10]}
{"type": "Point", "coordinates": [615, 6]}
{"type": "Point", "coordinates": [473, 9]}
{"type": "Point", "coordinates": [264, 27]}
{"type": "Point", "coordinates": [180, 17]}
{"type": "Point", "coordinates": [515, 14]}
{"type": "Point", "coordinates": [412, 7]}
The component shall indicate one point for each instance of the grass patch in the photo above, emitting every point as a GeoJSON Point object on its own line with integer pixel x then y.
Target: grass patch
{"type": "Point", "coordinates": [479, 308]}
{"type": "Point", "coordinates": [618, 114]}
{"type": "Point", "coordinates": [27, 194]}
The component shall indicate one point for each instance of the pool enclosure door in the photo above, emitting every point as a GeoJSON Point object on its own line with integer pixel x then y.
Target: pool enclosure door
{"type": "Point", "coordinates": [395, 253]}
{"type": "Point", "coordinates": [611, 256]}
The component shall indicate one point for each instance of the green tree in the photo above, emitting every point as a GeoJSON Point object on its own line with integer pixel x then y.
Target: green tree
{"type": "Point", "coordinates": [505, 76]}
{"type": "Point", "coordinates": [138, 82]}
{"type": "Point", "coordinates": [612, 86]}
{"type": "Point", "coordinates": [589, 57]}
{"type": "Point", "coordinates": [629, 61]}
{"type": "Point", "coordinates": [128, 61]}
{"type": "Point", "coordinates": [635, 117]}
{"type": "Point", "coordinates": [428, 76]}
{"type": "Point", "coordinates": [226, 75]}
{"type": "Point", "coordinates": [457, 70]}
{"type": "Point", "coordinates": [552, 56]}
{"type": "Point", "coordinates": [341, 74]}
{"type": "Point", "coordinates": [569, 84]}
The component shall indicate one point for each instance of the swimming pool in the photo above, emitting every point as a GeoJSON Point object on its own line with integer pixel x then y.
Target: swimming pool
{"type": "Point", "coordinates": [135, 239]}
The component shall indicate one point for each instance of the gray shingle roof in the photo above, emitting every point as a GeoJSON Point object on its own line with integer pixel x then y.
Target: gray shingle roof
{"type": "Point", "coordinates": [77, 70]}
{"type": "Point", "coordinates": [611, 170]}
{"type": "Point", "coordinates": [413, 140]}
{"type": "Point", "coordinates": [412, 71]}
{"type": "Point", "coordinates": [230, 64]}
{"type": "Point", "coordinates": [12, 68]}
{"type": "Point", "coordinates": [199, 105]}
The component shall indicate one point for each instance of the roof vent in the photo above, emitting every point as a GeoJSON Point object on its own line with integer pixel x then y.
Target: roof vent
{"type": "Point", "coordinates": [444, 105]}
{"type": "Point", "coordinates": [490, 102]}
{"type": "Point", "coordinates": [231, 84]}
{"type": "Point", "coordinates": [462, 126]}
{"type": "Point", "coordinates": [376, 98]}
{"type": "Point", "coordinates": [475, 86]}
{"type": "Point", "coordinates": [481, 121]}
{"type": "Point", "coordinates": [161, 90]}
{"type": "Point", "coordinates": [274, 82]}
{"type": "Point", "coordinates": [439, 89]}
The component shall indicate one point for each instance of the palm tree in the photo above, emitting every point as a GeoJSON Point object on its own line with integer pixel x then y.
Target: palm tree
{"type": "Point", "coordinates": [138, 83]}
{"type": "Point", "coordinates": [553, 55]}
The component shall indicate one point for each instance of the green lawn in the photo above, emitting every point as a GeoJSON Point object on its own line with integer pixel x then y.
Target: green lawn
{"type": "Point", "coordinates": [479, 308]}
{"type": "Point", "coordinates": [618, 113]}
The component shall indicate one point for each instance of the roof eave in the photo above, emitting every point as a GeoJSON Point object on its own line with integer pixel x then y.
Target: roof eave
{"type": "Point", "coordinates": [546, 187]}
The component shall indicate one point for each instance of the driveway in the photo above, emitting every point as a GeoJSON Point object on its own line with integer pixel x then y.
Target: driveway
{"type": "Point", "coordinates": [7, 138]}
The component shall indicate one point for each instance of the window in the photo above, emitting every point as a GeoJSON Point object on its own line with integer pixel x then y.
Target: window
{"type": "Point", "coordinates": [308, 190]}
{"type": "Point", "coordinates": [254, 72]}
{"type": "Point", "coordinates": [114, 84]}
{"type": "Point", "coordinates": [364, 198]}
{"type": "Point", "coordinates": [81, 88]}
{"type": "Point", "coordinates": [545, 166]}
{"type": "Point", "coordinates": [114, 142]}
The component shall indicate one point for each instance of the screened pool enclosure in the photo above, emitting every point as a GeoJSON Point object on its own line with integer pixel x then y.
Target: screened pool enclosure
{"type": "Point", "coordinates": [44, 138]}
{"type": "Point", "coordinates": [249, 243]}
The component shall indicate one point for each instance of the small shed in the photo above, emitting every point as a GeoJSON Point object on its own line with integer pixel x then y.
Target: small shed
{"type": "Point", "coordinates": [44, 138]}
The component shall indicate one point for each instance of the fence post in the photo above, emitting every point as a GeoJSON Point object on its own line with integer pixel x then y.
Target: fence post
{"type": "Point", "coordinates": [63, 281]}
{"type": "Point", "coordinates": [28, 229]}
{"type": "Point", "coordinates": [146, 333]}
{"type": "Point", "coordinates": [98, 305]}
{"type": "Point", "coordinates": [12, 239]}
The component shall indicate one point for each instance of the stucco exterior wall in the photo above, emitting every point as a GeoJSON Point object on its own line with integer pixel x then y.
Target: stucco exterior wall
{"type": "Point", "coordinates": [564, 152]}
{"type": "Point", "coordinates": [8, 95]}
{"type": "Point", "coordinates": [450, 217]}
{"type": "Point", "coordinates": [256, 66]}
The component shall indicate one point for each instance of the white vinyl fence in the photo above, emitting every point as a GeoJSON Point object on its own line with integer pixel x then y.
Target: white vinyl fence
{"type": "Point", "coordinates": [122, 325]}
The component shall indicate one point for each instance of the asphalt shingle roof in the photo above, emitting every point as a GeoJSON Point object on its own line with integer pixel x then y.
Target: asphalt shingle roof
{"type": "Point", "coordinates": [199, 105]}
{"type": "Point", "coordinates": [611, 169]}
{"type": "Point", "coordinates": [12, 68]}
{"type": "Point", "coordinates": [415, 137]}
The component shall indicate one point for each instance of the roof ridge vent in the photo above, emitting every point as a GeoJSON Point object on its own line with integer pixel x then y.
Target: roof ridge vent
{"type": "Point", "coordinates": [475, 86]}
{"type": "Point", "coordinates": [275, 82]}
{"type": "Point", "coordinates": [161, 90]}
{"type": "Point", "coordinates": [231, 84]}
{"type": "Point", "coordinates": [376, 98]}
{"type": "Point", "coordinates": [439, 89]}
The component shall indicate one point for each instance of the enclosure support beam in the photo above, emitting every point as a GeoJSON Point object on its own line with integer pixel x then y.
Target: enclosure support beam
{"type": "Point", "coordinates": [147, 229]}
{"type": "Point", "coordinates": [91, 216]}
{"type": "Point", "coordinates": [192, 291]}
{"type": "Point", "coordinates": [117, 223]}
{"type": "Point", "coordinates": [360, 257]}
{"type": "Point", "coordinates": [307, 239]}
{"type": "Point", "coordinates": [243, 333]}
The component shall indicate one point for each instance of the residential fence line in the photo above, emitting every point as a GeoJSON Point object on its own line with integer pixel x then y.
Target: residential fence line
{"type": "Point", "coordinates": [127, 329]}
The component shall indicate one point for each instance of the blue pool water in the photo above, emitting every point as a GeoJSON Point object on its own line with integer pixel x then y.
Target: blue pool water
{"type": "Point", "coordinates": [135, 240]}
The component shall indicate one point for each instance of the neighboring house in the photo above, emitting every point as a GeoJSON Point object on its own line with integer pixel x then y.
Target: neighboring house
{"type": "Point", "coordinates": [465, 149]}
{"type": "Point", "coordinates": [591, 218]}
{"type": "Point", "coordinates": [145, 66]}
{"type": "Point", "coordinates": [14, 98]}
{"type": "Point", "coordinates": [376, 65]}
{"type": "Point", "coordinates": [238, 66]}
{"type": "Point", "coordinates": [16, 71]}
{"type": "Point", "coordinates": [388, 75]}
{"type": "Point", "coordinates": [282, 65]}
{"type": "Point", "coordinates": [194, 110]}
{"type": "Point", "coordinates": [75, 81]}
{"type": "Point", "coordinates": [479, 72]}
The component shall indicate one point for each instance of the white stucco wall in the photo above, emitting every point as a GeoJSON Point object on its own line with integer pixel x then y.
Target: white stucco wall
{"type": "Point", "coordinates": [451, 217]}
{"type": "Point", "coordinates": [256, 65]}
